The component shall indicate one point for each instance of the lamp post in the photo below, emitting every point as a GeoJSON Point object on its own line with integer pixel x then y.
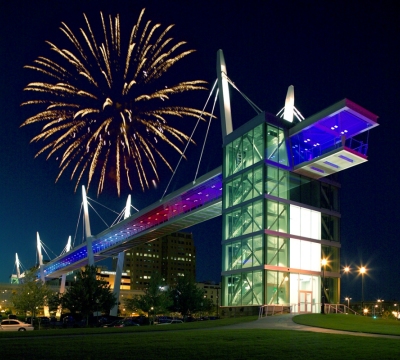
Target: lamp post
{"type": "Point", "coordinates": [348, 301]}
{"type": "Point", "coordinates": [397, 313]}
{"type": "Point", "coordinates": [323, 263]}
{"type": "Point", "coordinates": [362, 272]}
{"type": "Point", "coordinates": [97, 311]}
{"type": "Point", "coordinates": [217, 302]}
{"type": "Point", "coordinates": [380, 305]}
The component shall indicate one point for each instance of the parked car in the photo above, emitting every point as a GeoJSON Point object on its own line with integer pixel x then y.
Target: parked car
{"type": "Point", "coordinates": [30, 320]}
{"type": "Point", "coordinates": [12, 316]}
{"type": "Point", "coordinates": [126, 322]}
{"type": "Point", "coordinates": [112, 323]}
{"type": "Point", "coordinates": [172, 322]}
{"type": "Point", "coordinates": [15, 325]}
{"type": "Point", "coordinates": [163, 319]}
{"type": "Point", "coordinates": [44, 320]}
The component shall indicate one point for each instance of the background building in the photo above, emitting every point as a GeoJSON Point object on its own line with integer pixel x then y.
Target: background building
{"type": "Point", "coordinates": [172, 256]}
{"type": "Point", "coordinates": [212, 291]}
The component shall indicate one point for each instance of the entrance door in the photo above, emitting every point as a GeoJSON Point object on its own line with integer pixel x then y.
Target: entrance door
{"type": "Point", "coordinates": [305, 301]}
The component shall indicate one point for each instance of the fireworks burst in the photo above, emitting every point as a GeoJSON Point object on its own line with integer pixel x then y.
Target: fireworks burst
{"type": "Point", "coordinates": [104, 110]}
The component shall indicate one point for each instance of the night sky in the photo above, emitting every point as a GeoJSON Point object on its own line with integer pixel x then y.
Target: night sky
{"type": "Point", "coordinates": [327, 50]}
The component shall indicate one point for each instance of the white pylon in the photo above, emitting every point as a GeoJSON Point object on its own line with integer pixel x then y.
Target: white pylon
{"type": "Point", "coordinates": [289, 111]}
{"type": "Point", "coordinates": [40, 257]}
{"type": "Point", "coordinates": [224, 98]}
{"type": "Point", "coordinates": [41, 269]}
{"type": "Point", "coordinates": [120, 264]}
{"type": "Point", "coordinates": [17, 264]}
{"type": "Point", "coordinates": [289, 104]}
{"type": "Point", "coordinates": [87, 228]}
{"type": "Point", "coordinates": [64, 276]}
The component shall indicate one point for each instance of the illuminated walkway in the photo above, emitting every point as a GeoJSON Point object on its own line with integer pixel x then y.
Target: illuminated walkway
{"type": "Point", "coordinates": [190, 205]}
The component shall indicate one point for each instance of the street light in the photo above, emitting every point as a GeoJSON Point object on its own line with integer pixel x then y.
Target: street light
{"type": "Point", "coordinates": [362, 270]}
{"type": "Point", "coordinates": [348, 301]}
{"type": "Point", "coordinates": [380, 305]}
{"type": "Point", "coordinates": [397, 314]}
{"type": "Point", "coordinates": [323, 263]}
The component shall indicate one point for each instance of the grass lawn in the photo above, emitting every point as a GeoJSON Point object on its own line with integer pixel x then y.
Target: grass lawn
{"type": "Point", "coordinates": [183, 341]}
{"type": "Point", "coordinates": [350, 323]}
{"type": "Point", "coordinates": [155, 328]}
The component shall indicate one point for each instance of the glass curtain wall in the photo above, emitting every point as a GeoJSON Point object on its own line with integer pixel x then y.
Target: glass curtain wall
{"type": "Point", "coordinates": [243, 219]}
{"type": "Point", "coordinates": [260, 220]}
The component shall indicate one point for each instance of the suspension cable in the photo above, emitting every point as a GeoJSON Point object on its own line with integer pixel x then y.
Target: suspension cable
{"type": "Point", "coordinates": [205, 138]}
{"type": "Point", "coordinates": [77, 226]}
{"type": "Point", "coordinates": [98, 214]}
{"type": "Point", "coordinates": [103, 205]}
{"type": "Point", "coordinates": [254, 106]}
{"type": "Point", "coordinates": [191, 136]}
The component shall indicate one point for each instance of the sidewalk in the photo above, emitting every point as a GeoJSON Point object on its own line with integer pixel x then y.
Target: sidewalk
{"type": "Point", "coordinates": [285, 322]}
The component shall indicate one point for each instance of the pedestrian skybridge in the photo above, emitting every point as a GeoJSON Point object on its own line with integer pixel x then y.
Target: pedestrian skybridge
{"type": "Point", "coordinates": [188, 206]}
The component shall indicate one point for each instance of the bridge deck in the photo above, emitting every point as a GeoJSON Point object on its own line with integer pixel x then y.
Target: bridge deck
{"type": "Point", "coordinates": [190, 205]}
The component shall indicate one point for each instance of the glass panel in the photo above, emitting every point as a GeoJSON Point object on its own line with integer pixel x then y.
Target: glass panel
{"type": "Point", "coordinates": [232, 256]}
{"type": "Point", "coordinates": [295, 218]}
{"type": "Point", "coordinates": [234, 291]}
{"type": "Point", "coordinates": [233, 224]}
{"type": "Point", "coordinates": [258, 287]}
{"type": "Point", "coordinates": [272, 183]}
{"type": "Point", "coordinates": [248, 148]}
{"type": "Point", "coordinates": [258, 139]}
{"type": "Point", "coordinates": [272, 143]}
{"type": "Point", "coordinates": [236, 255]}
{"type": "Point", "coordinates": [271, 286]}
{"type": "Point", "coordinates": [329, 197]}
{"type": "Point", "coordinates": [258, 181]}
{"type": "Point", "coordinates": [295, 254]}
{"type": "Point", "coordinates": [258, 216]}
{"type": "Point", "coordinates": [272, 253]}
{"type": "Point", "coordinates": [224, 291]}
{"type": "Point", "coordinates": [243, 187]}
{"type": "Point", "coordinates": [247, 288]}
{"type": "Point", "coordinates": [244, 151]}
{"type": "Point", "coordinates": [283, 252]}
{"type": "Point", "coordinates": [277, 251]}
{"type": "Point", "coordinates": [258, 250]}
{"type": "Point", "coordinates": [237, 156]}
{"type": "Point", "coordinates": [305, 215]}
{"type": "Point", "coordinates": [332, 255]}
{"type": "Point", "coordinates": [282, 152]}
{"type": "Point", "coordinates": [330, 227]}
{"type": "Point", "coordinates": [247, 252]}
{"type": "Point", "coordinates": [283, 217]}
{"type": "Point", "coordinates": [271, 215]}
{"type": "Point", "coordinates": [247, 186]}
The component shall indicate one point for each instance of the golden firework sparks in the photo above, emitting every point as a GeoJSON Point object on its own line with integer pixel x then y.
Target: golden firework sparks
{"type": "Point", "coordinates": [103, 109]}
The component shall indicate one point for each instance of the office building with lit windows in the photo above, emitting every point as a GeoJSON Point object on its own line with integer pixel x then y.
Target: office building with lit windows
{"type": "Point", "coordinates": [281, 213]}
{"type": "Point", "coordinates": [172, 256]}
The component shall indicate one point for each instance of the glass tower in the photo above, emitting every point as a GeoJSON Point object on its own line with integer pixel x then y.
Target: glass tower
{"type": "Point", "coordinates": [280, 207]}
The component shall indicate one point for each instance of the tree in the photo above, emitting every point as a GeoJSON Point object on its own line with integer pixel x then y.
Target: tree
{"type": "Point", "coordinates": [88, 294]}
{"type": "Point", "coordinates": [155, 298]}
{"type": "Point", "coordinates": [187, 297]}
{"type": "Point", "coordinates": [54, 301]}
{"type": "Point", "coordinates": [31, 294]}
